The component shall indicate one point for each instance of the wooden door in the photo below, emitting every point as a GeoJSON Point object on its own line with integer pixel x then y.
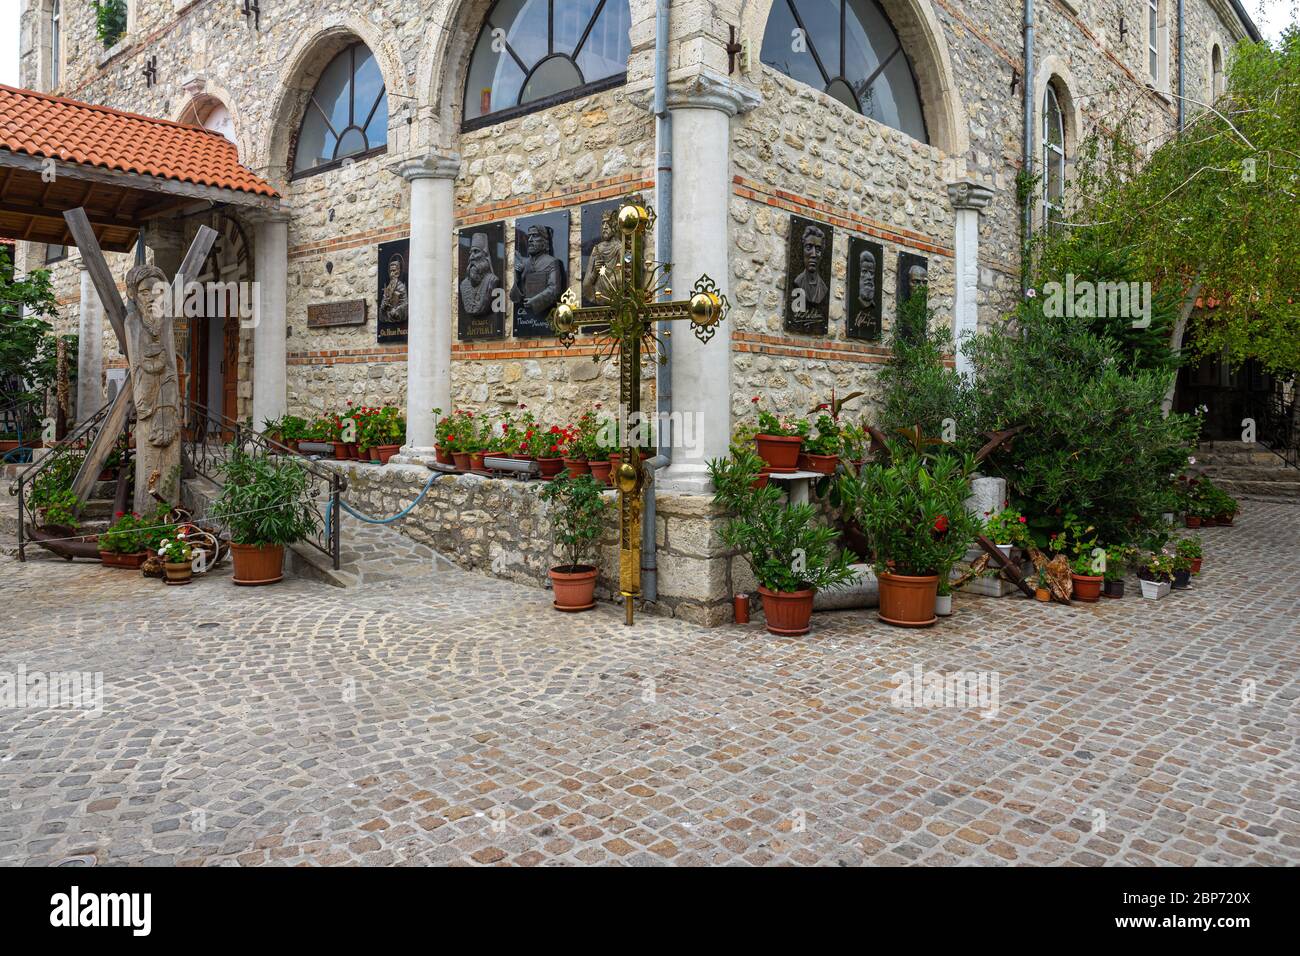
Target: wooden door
{"type": "Point", "coordinates": [230, 375]}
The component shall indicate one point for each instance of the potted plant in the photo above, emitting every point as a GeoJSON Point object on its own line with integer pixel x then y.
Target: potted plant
{"type": "Point", "coordinates": [387, 431]}
{"type": "Point", "coordinates": [577, 516]}
{"type": "Point", "coordinates": [1156, 574]}
{"type": "Point", "coordinates": [579, 440]}
{"type": "Point", "coordinates": [1190, 548]}
{"type": "Point", "coordinates": [177, 556]}
{"type": "Point", "coordinates": [943, 597]}
{"type": "Point", "coordinates": [779, 440]}
{"type": "Point", "coordinates": [1043, 591]}
{"type": "Point", "coordinates": [821, 454]}
{"type": "Point", "coordinates": [444, 437]}
{"type": "Point", "coordinates": [1117, 561]}
{"type": "Point", "coordinates": [549, 447]}
{"type": "Point", "coordinates": [1006, 529]}
{"type": "Point", "coordinates": [915, 525]}
{"type": "Point", "coordinates": [1182, 567]}
{"type": "Point", "coordinates": [791, 553]}
{"type": "Point", "coordinates": [266, 503]}
{"type": "Point", "coordinates": [125, 543]}
{"type": "Point", "coordinates": [1086, 575]}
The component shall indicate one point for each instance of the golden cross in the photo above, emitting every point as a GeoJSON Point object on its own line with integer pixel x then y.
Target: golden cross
{"type": "Point", "coordinates": [630, 312]}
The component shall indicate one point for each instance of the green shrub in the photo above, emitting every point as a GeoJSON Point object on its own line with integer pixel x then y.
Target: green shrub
{"type": "Point", "coordinates": [787, 548]}
{"type": "Point", "coordinates": [265, 500]}
{"type": "Point", "coordinates": [577, 517]}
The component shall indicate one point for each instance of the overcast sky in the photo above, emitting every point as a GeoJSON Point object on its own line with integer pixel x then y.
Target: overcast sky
{"type": "Point", "coordinates": [1270, 15]}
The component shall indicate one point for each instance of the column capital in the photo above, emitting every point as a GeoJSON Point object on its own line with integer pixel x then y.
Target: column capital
{"type": "Point", "coordinates": [707, 90]}
{"type": "Point", "coordinates": [429, 166]}
{"type": "Point", "coordinates": [268, 215]}
{"type": "Point", "coordinates": [968, 194]}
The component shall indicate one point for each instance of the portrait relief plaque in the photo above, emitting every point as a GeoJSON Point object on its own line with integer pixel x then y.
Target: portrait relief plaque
{"type": "Point", "coordinates": [394, 259]}
{"type": "Point", "coordinates": [913, 277]}
{"type": "Point", "coordinates": [602, 252]}
{"type": "Point", "coordinates": [808, 277]}
{"type": "Point", "coordinates": [541, 270]}
{"type": "Point", "coordinates": [480, 282]}
{"type": "Point", "coordinates": [862, 310]}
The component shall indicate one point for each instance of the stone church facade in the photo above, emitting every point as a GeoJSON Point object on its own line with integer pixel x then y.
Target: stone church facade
{"type": "Point", "coordinates": [894, 126]}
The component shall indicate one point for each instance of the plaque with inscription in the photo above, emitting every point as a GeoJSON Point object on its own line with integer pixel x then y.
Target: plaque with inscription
{"type": "Point", "coordinates": [862, 310]}
{"type": "Point", "coordinates": [541, 270]}
{"type": "Point", "coordinates": [913, 279]}
{"type": "Point", "coordinates": [327, 314]}
{"type": "Point", "coordinates": [480, 285]}
{"type": "Point", "coordinates": [808, 277]}
{"type": "Point", "coordinates": [394, 258]}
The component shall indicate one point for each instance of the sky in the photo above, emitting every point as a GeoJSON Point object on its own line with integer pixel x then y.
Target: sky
{"type": "Point", "coordinates": [1269, 15]}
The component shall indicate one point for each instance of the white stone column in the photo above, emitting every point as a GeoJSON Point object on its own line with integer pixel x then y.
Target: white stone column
{"type": "Point", "coordinates": [271, 331]}
{"type": "Point", "coordinates": [701, 114]}
{"type": "Point", "coordinates": [967, 198]}
{"type": "Point", "coordinates": [90, 348]}
{"type": "Point", "coordinates": [429, 320]}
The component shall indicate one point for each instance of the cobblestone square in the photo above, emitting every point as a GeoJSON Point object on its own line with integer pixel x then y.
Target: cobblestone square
{"type": "Point", "coordinates": [451, 718]}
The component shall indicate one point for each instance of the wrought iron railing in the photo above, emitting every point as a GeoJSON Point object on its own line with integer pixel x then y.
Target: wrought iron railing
{"type": "Point", "coordinates": [74, 443]}
{"type": "Point", "coordinates": [1276, 426]}
{"type": "Point", "coordinates": [205, 452]}
{"type": "Point", "coordinates": [20, 417]}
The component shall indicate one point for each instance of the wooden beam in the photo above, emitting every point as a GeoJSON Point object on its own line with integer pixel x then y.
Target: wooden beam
{"type": "Point", "coordinates": [100, 274]}
{"type": "Point", "coordinates": [1006, 564]}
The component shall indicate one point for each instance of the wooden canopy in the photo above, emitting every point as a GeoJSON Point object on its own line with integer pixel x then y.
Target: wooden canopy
{"type": "Point", "coordinates": [123, 169]}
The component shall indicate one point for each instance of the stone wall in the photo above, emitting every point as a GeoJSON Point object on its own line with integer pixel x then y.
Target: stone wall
{"type": "Point", "coordinates": [500, 527]}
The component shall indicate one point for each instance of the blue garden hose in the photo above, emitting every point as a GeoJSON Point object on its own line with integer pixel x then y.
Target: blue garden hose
{"type": "Point", "coordinates": [329, 512]}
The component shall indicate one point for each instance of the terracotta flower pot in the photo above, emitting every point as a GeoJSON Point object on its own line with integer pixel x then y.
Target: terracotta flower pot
{"type": "Point", "coordinates": [1209, 522]}
{"type": "Point", "coordinates": [781, 452]}
{"type": "Point", "coordinates": [476, 461]}
{"type": "Point", "coordinates": [577, 467]}
{"type": "Point", "coordinates": [1087, 587]}
{"type": "Point", "coordinates": [340, 450]}
{"type": "Point", "coordinates": [907, 600]}
{"type": "Point", "coordinates": [1043, 594]}
{"type": "Point", "coordinates": [761, 481]}
{"type": "Point", "coordinates": [461, 459]}
{"type": "Point", "coordinates": [1192, 521]}
{"type": "Point", "coordinates": [600, 470]}
{"type": "Point", "coordinates": [575, 587]}
{"type": "Point", "coordinates": [1196, 565]}
{"type": "Point", "coordinates": [354, 451]}
{"type": "Point", "coordinates": [178, 572]}
{"type": "Point", "coordinates": [821, 464]}
{"type": "Point", "coordinates": [384, 452]}
{"type": "Point", "coordinates": [115, 559]}
{"type": "Point", "coordinates": [787, 612]}
{"type": "Point", "coordinates": [257, 564]}
{"type": "Point", "coordinates": [550, 466]}
{"type": "Point", "coordinates": [442, 456]}
{"type": "Point", "coordinates": [363, 454]}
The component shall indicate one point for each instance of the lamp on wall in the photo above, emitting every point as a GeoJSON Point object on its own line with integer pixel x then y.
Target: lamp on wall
{"type": "Point", "coordinates": [252, 8]}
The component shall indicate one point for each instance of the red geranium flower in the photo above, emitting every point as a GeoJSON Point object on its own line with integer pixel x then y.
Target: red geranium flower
{"type": "Point", "coordinates": [941, 524]}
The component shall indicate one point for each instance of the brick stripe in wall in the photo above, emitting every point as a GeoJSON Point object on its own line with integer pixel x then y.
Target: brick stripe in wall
{"type": "Point", "coordinates": [836, 216]}
{"type": "Point", "coordinates": [611, 188]}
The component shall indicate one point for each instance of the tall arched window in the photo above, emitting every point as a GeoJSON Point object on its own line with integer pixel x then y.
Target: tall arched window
{"type": "Point", "coordinates": [1053, 157]}
{"type": "Point", "coordinates": [1216, 72]}
{"type": "Point", "coordinates": [849, 50]}
{"type": "Point", "coordinates": [56, 41]}
{"type": "Point", "coordinates": [532, 54]}
{"type": "Point", "coordinates": [347, 115]}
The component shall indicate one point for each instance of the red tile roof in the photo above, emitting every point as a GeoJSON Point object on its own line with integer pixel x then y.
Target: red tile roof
{"type": "Point", "coordinates": [50, 126]}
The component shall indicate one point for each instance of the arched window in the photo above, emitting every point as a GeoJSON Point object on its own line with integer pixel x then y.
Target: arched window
{"type": "Point", "coordinates": [347, 115]}
{"type": "Point", "coordinates": [56, 41]}
{"type": "Point", "coordinates": [532, 54]}
{"type": "Point", "coordinates": [1053, 157]}
{"type": "Point", "coordinates": [1216, 72]}
{"type": "Point", "coordinates": [1156, 43]}
{"type": "Point", "coordinates": [849, 50]}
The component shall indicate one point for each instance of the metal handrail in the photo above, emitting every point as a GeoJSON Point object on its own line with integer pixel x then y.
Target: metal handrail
{"type": "Point", "coordinates": [205, 458]}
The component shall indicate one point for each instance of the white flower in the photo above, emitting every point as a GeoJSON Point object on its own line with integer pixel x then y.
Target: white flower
{"type": "Point", "coordinates": [1191, 460]}
{"type": "Point", "coordinates": [1031, 293]}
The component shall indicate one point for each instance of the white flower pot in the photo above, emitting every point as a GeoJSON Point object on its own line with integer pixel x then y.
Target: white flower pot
{"type": "Point", "coordinates": [943, 605]}
{"type": "Point", "coordinates": [1154, 590]}
{"type": "Point", "coordinates": [1006, 550]}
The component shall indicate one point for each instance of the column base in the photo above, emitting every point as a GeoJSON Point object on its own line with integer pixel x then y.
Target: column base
{"type": "Point", "coordinates": [414, 455]}
{"type": "Point", "coordinates": [688, 478]}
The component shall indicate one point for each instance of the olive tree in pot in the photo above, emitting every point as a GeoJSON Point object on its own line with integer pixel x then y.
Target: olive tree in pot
{"type": "Point", "coordinates": [913, 517]}
{"type": "Point", "coordinates": [577, 515]}
{"type": "Point", "coordinates": [791, 553]}
{"type": "Point", "coordinates": [266, 503]}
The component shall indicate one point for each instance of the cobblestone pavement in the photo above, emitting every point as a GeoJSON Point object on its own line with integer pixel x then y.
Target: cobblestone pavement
{"type": "Point", "coordinates": [454, 718]}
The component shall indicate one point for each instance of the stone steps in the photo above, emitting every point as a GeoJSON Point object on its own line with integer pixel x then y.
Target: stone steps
{"type": "Point", "coordinates": [1247, 470]}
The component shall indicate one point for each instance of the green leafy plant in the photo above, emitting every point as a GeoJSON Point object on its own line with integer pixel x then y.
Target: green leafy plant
{"type": "Point", "coordinates": [1157, 566]}
{"type": "Point", "coordinates": [110, 20]}
{"type": "Point", "coordinates": [1190, 548]}
{"type": "Point", "coordinates": [787, 548]}
{"type": "Point", "coordinates": [912, 512]}
{"type": "Point", "coordinates": [176, 550]}
{"type": "Point", "coordinates": [1007, 526]}
{"type": "Point", "coordinates": [265, 500]}
{"type": "Point", "coordinates": [779, 426]}
{"type": "Point", "coordinates": [828, 440]}
{"type": "Point", "coordinates": [1118, 559]}
{"type": "Point", "coordinates": [577, 516]}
